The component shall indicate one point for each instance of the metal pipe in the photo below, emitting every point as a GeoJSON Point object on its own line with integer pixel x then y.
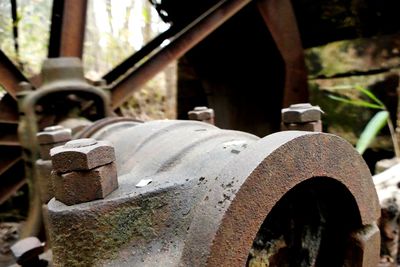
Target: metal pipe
{"type": "Point", "coordinates": [182, 42]}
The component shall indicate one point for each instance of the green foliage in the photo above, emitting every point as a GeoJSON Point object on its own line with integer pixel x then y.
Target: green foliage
{"type": "Point", "coordinates": [377, 122]}
{"type": "Point", "coordinates": [371, 130]}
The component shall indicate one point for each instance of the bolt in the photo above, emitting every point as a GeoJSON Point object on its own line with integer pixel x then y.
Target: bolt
{"type": "Point", "coordinates": [83, 186]}
{"type": "Point", "coordinates": [50, 137]}
{"type": "Point", "coordinates": [26, 252]}
{"type": "Point", "coordinates": [24, 89]}
{"type": "Point", "coordinates": [81, 154]}
{"type": "Point", "coordinates": [301, 113]}
{"type": "Point", "coordinates": [203, 114]}
{"type": "Point", "coordinates": [302, 117]}
{"type": "Point", "coordinates": [54, 134]}
{"type": "Point", "coordinates": [83, 170]}
{"type": "Point", "coordinates": [25, 86]}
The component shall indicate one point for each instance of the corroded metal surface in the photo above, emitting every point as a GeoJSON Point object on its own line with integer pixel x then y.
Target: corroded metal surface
{"type": "Point", "coordinates": [51, 137]}
{"type": "Point", "coordinates": [286, 160]}
{"type": "Point", "coordinates": [83, 170]}
{"type": "Point", "coordinates": [73, 28]}
{"type": "Point", "coordinates": [54, 134]}
{"type": "Point", "coordinates": [206, 193]}
{"type": "Point", "coordinates": [299, 113]}
{"type": "Point", "coordinates": [67, 32]}
{"type": "Point", "coordinates": [81, 154]}
{"type": "Point", "coordinates": [92, 129]}
{"type": "Point", "coordinates": [83, 186]}
{"type": "Point", "coordinates": [302, 117]}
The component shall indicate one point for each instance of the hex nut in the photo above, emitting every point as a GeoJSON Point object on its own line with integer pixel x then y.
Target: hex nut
{"type": "Point", "coordinates": [300, 113]}
{"type": "Point", "coordinates": [81, 154]}
{"type": "Point", "coordinates": [54, 134]}
{"type": "Point", "coordinates": [84, 186]}
{"type": "Point", "coordinates": [201, 114]}
{"type": "Point", "coordinates": [27, 249]}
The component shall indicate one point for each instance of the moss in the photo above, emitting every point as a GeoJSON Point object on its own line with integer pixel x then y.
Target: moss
{"type": "Point", "coordinates": [98, 235]}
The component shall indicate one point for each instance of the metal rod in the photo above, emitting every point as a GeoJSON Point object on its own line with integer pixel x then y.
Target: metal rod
{"type": "Point", "coordinates": [10, 76]}
{"type": "Point", "coordinates": [73, 28]}
{"type": "Point", "coordinates": [67, 28]}
{"type": "Point", "coordinates": [182, 42]}
{"type": "Point", "coordinates": [131, 61]}
{"type": "Point", "coordinates": [55, 28]}
{"type": "Point", "coordinates": [281, 22]}
{"type": "Point", "coordinates": [15, 30]}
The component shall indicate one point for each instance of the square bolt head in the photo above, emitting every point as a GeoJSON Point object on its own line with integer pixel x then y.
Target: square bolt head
{"type": "Point", "coordinates": [81, 154]}
{"type": "Point", "coordinates": [201, 114]}
{"type": "Point", "coordinates": [300, 113]}
{"type": "Point", "coordinates": [84, 186]}
{"type": "Point", "coordinates": [54, 134]}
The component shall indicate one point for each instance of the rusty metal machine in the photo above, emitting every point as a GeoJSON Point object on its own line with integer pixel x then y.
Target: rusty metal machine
{"type": "Point", "coordinates": [191, 194]}
{"type": "Point", "coordinates": [120, 192]}
{"type": "Point", "coordinates": [63, 97]}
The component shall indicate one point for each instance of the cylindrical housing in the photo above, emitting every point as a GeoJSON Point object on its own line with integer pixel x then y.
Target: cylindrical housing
{"type": "Point", "coordinates": [191, 194]}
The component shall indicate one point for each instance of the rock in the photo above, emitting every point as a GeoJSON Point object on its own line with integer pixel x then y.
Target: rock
{"type": "Point", "coordinates": [364, 55]}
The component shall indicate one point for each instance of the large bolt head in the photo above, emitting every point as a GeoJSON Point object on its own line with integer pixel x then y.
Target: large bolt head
{"type": "Point", "coordinates": [201, 114]}
{"type": "Point", "coordinates": [26, 249]}
{"type": "Point", "coordinates": [81, 154]}
{"type": "Point", "coordinates": [300, 113]}
{"type": "Point", "coordinates": [84, 186]}
{"type": "Point", "coordinates": [54, 134]}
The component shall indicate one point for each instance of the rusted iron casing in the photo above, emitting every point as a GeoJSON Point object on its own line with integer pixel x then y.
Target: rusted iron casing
{"type": "Point", "coordinates": [191, 194]}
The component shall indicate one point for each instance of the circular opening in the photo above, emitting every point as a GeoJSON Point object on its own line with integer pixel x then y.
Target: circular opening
{"type": "Point", "coordinates": [309, 226]}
